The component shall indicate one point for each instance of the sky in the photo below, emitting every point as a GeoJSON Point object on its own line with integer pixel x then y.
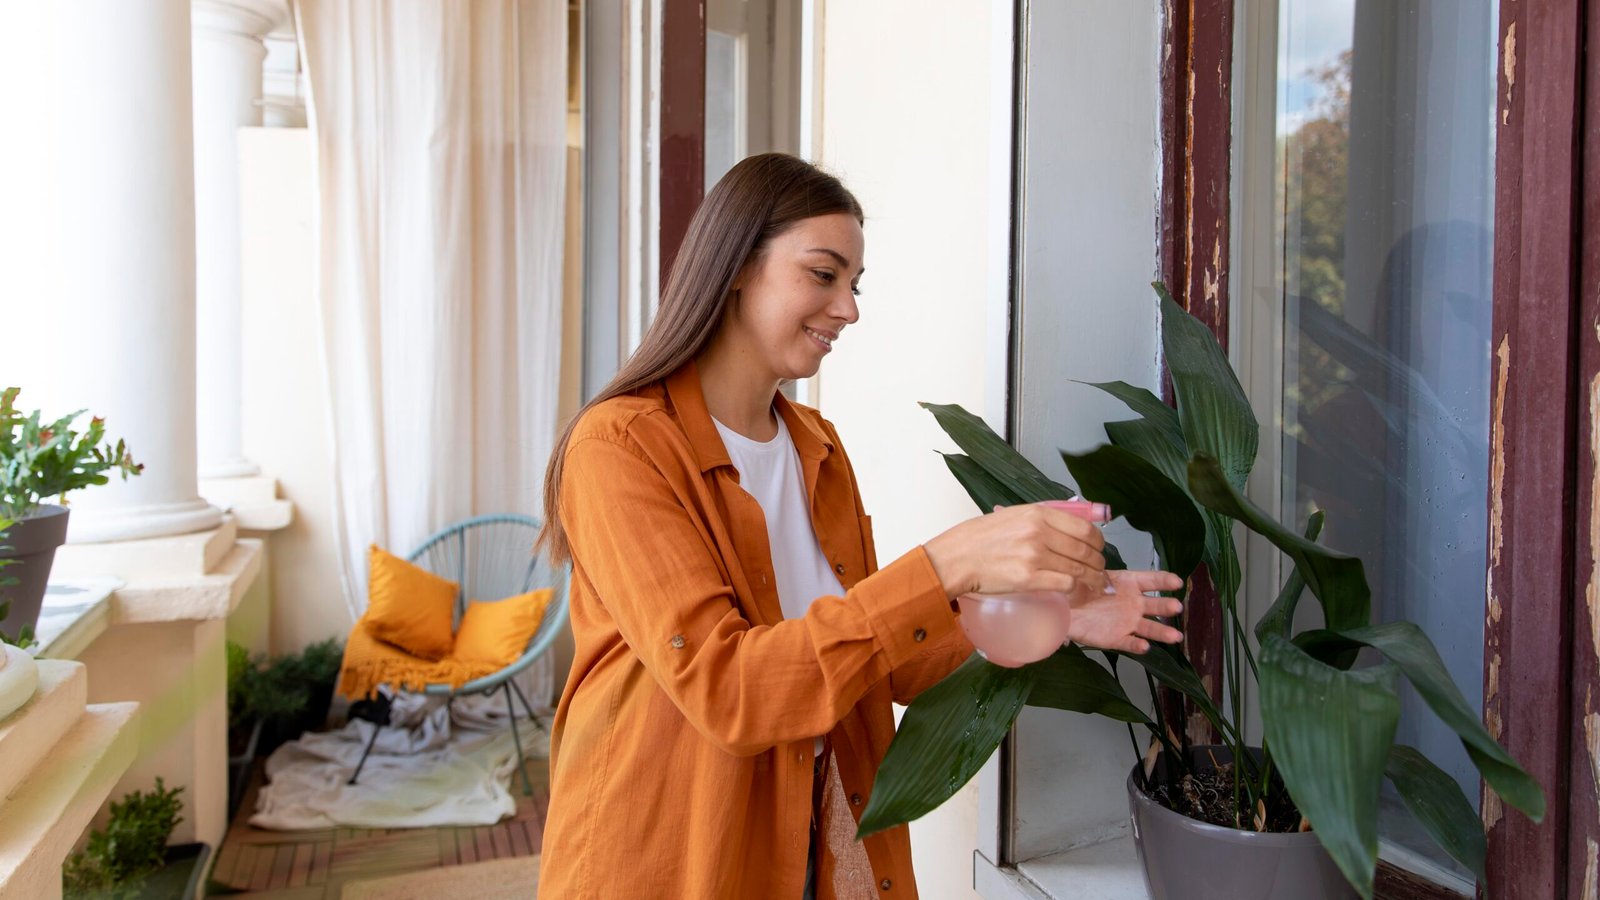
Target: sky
{"type": "Point", "coordinates": [1311, 34]}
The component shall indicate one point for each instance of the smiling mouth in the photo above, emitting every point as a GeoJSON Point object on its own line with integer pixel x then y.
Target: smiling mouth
{"type": "Point", "coordinates": [821, 337]}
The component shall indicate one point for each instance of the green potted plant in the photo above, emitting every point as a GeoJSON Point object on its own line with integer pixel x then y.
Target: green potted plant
{"type": "Point", "coordinates": [19, 676]}
{"type": "Point", "coordinates": [38, 461]}
{"type": "Point", "coordinates": [1293, 817]}
{"type": "Point", "coordinates": [288, 694]}
{"type": "Point", "coordinates": [129, 859]}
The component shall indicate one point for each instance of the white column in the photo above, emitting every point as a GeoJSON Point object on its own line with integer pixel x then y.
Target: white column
{"type": "Point", "coordinates": [228, 56]}
{"type": "Point", "coordinates": [284, 84]}
{"type": "Point", "coordinates": [97, 271]}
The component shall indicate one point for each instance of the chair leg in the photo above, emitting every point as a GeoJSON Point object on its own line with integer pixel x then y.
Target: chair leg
{"type": "Point", "coordinates": [527, 784]}
{"type": "Point", "coordinates": [525, 704]}
{"type": "Point", "coordinates": [365, 753]}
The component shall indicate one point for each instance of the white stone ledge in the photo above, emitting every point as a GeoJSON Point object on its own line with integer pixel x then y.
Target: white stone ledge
{"type": "Point", "coordinates": [73, 615]}
{"type": "Point", "coordinates": [28, 735]}
{"type": "Point", "coordinates": [176, 599]}
{"type": "Point", "coordinates": [42, 821]}
{"type": "Point", "coordinates": [1108, 870]}
{"type": "Point", "coordinates": [274, 515]}
{"type": "Point", "coordinates": [252, 500]}
{"type": "Point", "coordinates": [163, 557]}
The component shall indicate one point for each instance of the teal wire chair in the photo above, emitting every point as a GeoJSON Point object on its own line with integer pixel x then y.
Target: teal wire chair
{"type": "Point", "coordinates": [491, 558]}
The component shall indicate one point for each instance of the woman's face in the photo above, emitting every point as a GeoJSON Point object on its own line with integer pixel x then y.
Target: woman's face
{"type": "Point", "coordinates": [795, 299]}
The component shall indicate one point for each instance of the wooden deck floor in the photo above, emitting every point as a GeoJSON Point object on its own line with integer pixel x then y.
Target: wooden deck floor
{"type": "Point", "coordinates": [315, 865]}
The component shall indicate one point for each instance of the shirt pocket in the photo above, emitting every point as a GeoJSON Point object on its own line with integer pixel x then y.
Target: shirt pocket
{"type": "Point", "coordinates": [868, 548]}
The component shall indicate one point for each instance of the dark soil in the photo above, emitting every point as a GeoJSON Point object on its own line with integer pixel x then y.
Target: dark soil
{"type": "Point", "coordinates": [1207, 796]}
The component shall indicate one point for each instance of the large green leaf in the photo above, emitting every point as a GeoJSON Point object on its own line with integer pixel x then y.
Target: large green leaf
{"type": "Point", "coordinates": [1172, 669]}
{"type": "Point", "coordinates": [1329, 647]}
{"type": "Point", "coordinates": [1216, 416]}
{"type": "Point", "coordinates": [1163, 417]}
{"type": "Point", "coordinates": [1329, 733]}
{"type": "Point", "coordinates": [1070, 680]}
{"type": "Point", "coordinates": [1145, 441]}
{"type": "Point", "coordinates": [943, 740]}
{"type": "Point", "coordinates": [1339, 582]}
{"type": "Point", "coordinates": [1438, 803]}
{"type": "Point", "coordinates": [1280, 616]}
{"type": "Point", "coordinates": [984, 489]}
{"type": "Point", "coordinates": [997, 457]}
{"type": "Point", "coordinates": [1405, 645]}
{"type": "Point", "coordinates": [1148, 499]}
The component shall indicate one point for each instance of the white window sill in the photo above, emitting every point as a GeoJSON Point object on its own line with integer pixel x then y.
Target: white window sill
{"type": "Point", "coordinates": [1104, 871]}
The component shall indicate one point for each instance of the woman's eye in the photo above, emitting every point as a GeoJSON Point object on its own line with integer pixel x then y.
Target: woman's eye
{"type": "Point", "coordinates": [855, 289]}
{"type": "Point", "coordinates": [823, 275]}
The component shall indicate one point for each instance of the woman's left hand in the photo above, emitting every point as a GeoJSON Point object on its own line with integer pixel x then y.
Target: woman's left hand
{"type": "Point", "coordinates": [1119, 618]}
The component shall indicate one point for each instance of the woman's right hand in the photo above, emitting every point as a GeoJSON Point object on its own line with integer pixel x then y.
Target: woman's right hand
{"type": "Point", "coordinates": [1029, 547]}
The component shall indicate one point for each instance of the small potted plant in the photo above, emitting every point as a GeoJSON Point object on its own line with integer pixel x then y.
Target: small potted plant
{"type": "Point", "coordinates": [39, 461]}
{"type": "Point", "coordinates": [1295, 817]}
{"type": "Point", "coordinates": [129, 859]}
{"type": "Point", "coordinates": [19, 676]}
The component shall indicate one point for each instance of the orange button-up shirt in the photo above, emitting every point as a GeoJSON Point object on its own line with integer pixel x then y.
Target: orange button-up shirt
{"type": "Point", "coordinates": [681, 756]}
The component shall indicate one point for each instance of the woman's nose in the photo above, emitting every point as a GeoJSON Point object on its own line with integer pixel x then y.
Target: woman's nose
{"type": "Point", "coordinates": [844, 307]}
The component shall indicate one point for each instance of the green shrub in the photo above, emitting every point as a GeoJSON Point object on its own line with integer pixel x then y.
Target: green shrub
{"type": "Point", "coordinates": [132, 845]}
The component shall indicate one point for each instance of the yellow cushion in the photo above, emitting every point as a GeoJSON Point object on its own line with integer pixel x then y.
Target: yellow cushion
{"type": "Point", "coordinates": [370, 663]}
{"type": "Point", "coordinates": [498, 631]}
{"type": "Point", "coordinates": [409, 606]}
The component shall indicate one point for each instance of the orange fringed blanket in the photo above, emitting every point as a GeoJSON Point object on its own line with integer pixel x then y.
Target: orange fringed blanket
{"type": "Point", "coordinates": [369, 662]}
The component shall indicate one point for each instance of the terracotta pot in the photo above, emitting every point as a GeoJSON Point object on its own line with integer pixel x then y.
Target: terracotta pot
{"type": "Point", "coordinates": [1186, 859]}
{"type": "Point", "coordinates": [32, 542]}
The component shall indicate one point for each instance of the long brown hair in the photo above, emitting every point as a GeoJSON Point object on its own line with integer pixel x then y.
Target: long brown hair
{"type": "Point", "coordinates": [759, 198]}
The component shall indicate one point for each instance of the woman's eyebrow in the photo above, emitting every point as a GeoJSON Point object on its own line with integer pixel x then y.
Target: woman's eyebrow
{"type": "Point", "coordinates": [838, 256]}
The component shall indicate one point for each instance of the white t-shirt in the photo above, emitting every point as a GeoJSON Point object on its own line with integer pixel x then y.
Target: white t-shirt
{"type": "Point", "coordinates": [771, 473]}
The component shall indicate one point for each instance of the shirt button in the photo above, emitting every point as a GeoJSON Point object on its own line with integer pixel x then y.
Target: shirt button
{"type": "Point", "coordinates": [677, 642]}
{"type": "Point", "coordinates": [919, 635]}
{"type": "Point", "coordinates": [885, 884]}
{"type": "Point", "coordinates": [839, 568]}
{"type": "Point", "coordinates": [855, 799]}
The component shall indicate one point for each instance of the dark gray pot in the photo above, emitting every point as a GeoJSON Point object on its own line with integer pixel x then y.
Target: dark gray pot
{"type": "Point", "coordinates": [32, 542]}
{"type": "Point", "coordinates": [1186, 859]}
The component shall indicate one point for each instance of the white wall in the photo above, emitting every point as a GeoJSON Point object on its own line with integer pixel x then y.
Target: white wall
{"type": "Point", "coordinates": [284, 416]}
{"type": "Point", "coordinates": [909, 122]}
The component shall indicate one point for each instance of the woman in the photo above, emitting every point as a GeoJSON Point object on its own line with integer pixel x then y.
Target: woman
{"type": "Point", "coordinates": [738, 648]}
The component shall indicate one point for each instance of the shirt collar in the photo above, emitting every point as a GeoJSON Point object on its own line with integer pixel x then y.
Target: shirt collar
{"type": "Point", "coordinates": [683, 389]}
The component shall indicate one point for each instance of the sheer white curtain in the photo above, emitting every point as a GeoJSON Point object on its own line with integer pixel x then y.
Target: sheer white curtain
{"type": "Point", "coordinates": [441, 130]}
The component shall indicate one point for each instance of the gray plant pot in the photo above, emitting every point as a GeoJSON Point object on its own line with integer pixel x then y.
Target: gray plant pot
{"type": "Point", "coordinates": [1186, 859]}
{"type": "Point", "coordinates": [32, 542]}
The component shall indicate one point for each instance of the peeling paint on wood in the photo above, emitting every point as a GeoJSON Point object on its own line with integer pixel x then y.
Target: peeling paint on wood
{"type": "Point", "coordinates": [1591, 872]}
{"type": "Point", "coordinates": [1508, 62]}
{"type": "Point", "coordinates": [1497, 474]}
{"type": "Point", "coordinates": [1591, 591]}
{"type": "Point", "coordinates": [1591, 735]}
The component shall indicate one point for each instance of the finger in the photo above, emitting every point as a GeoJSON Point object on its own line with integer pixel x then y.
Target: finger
{"type": "Point", "coordinates": [1155, 631]}
{"type": "Point", "coordinates": [1081, 552]}
{"type": "Point", "coordinates": [1165, 607]}
{"type": "Point", "coordinates": [1049, 580]}
{"type": "Point", "coordinates": [1145, 582]}
{"type": "Point", "coordinates": [1073, 526]}
{"type": "Point", "coordinates": [1095, 583]}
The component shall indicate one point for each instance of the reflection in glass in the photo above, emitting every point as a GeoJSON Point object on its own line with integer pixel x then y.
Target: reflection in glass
{"type": "Point", "coordinates": [1385, 188]}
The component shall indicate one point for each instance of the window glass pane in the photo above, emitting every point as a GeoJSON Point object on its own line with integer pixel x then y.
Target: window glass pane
{"type": "Point", "coordinates": [725, 112]}
{"type": "Point", "coordinates": [1385, 143]}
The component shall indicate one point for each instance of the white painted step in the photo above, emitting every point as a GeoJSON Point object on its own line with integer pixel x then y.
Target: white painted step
{"type": "Point", "coordinates": [43, 819]}
{"type": "Point", "coordinates": [28, 735]}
